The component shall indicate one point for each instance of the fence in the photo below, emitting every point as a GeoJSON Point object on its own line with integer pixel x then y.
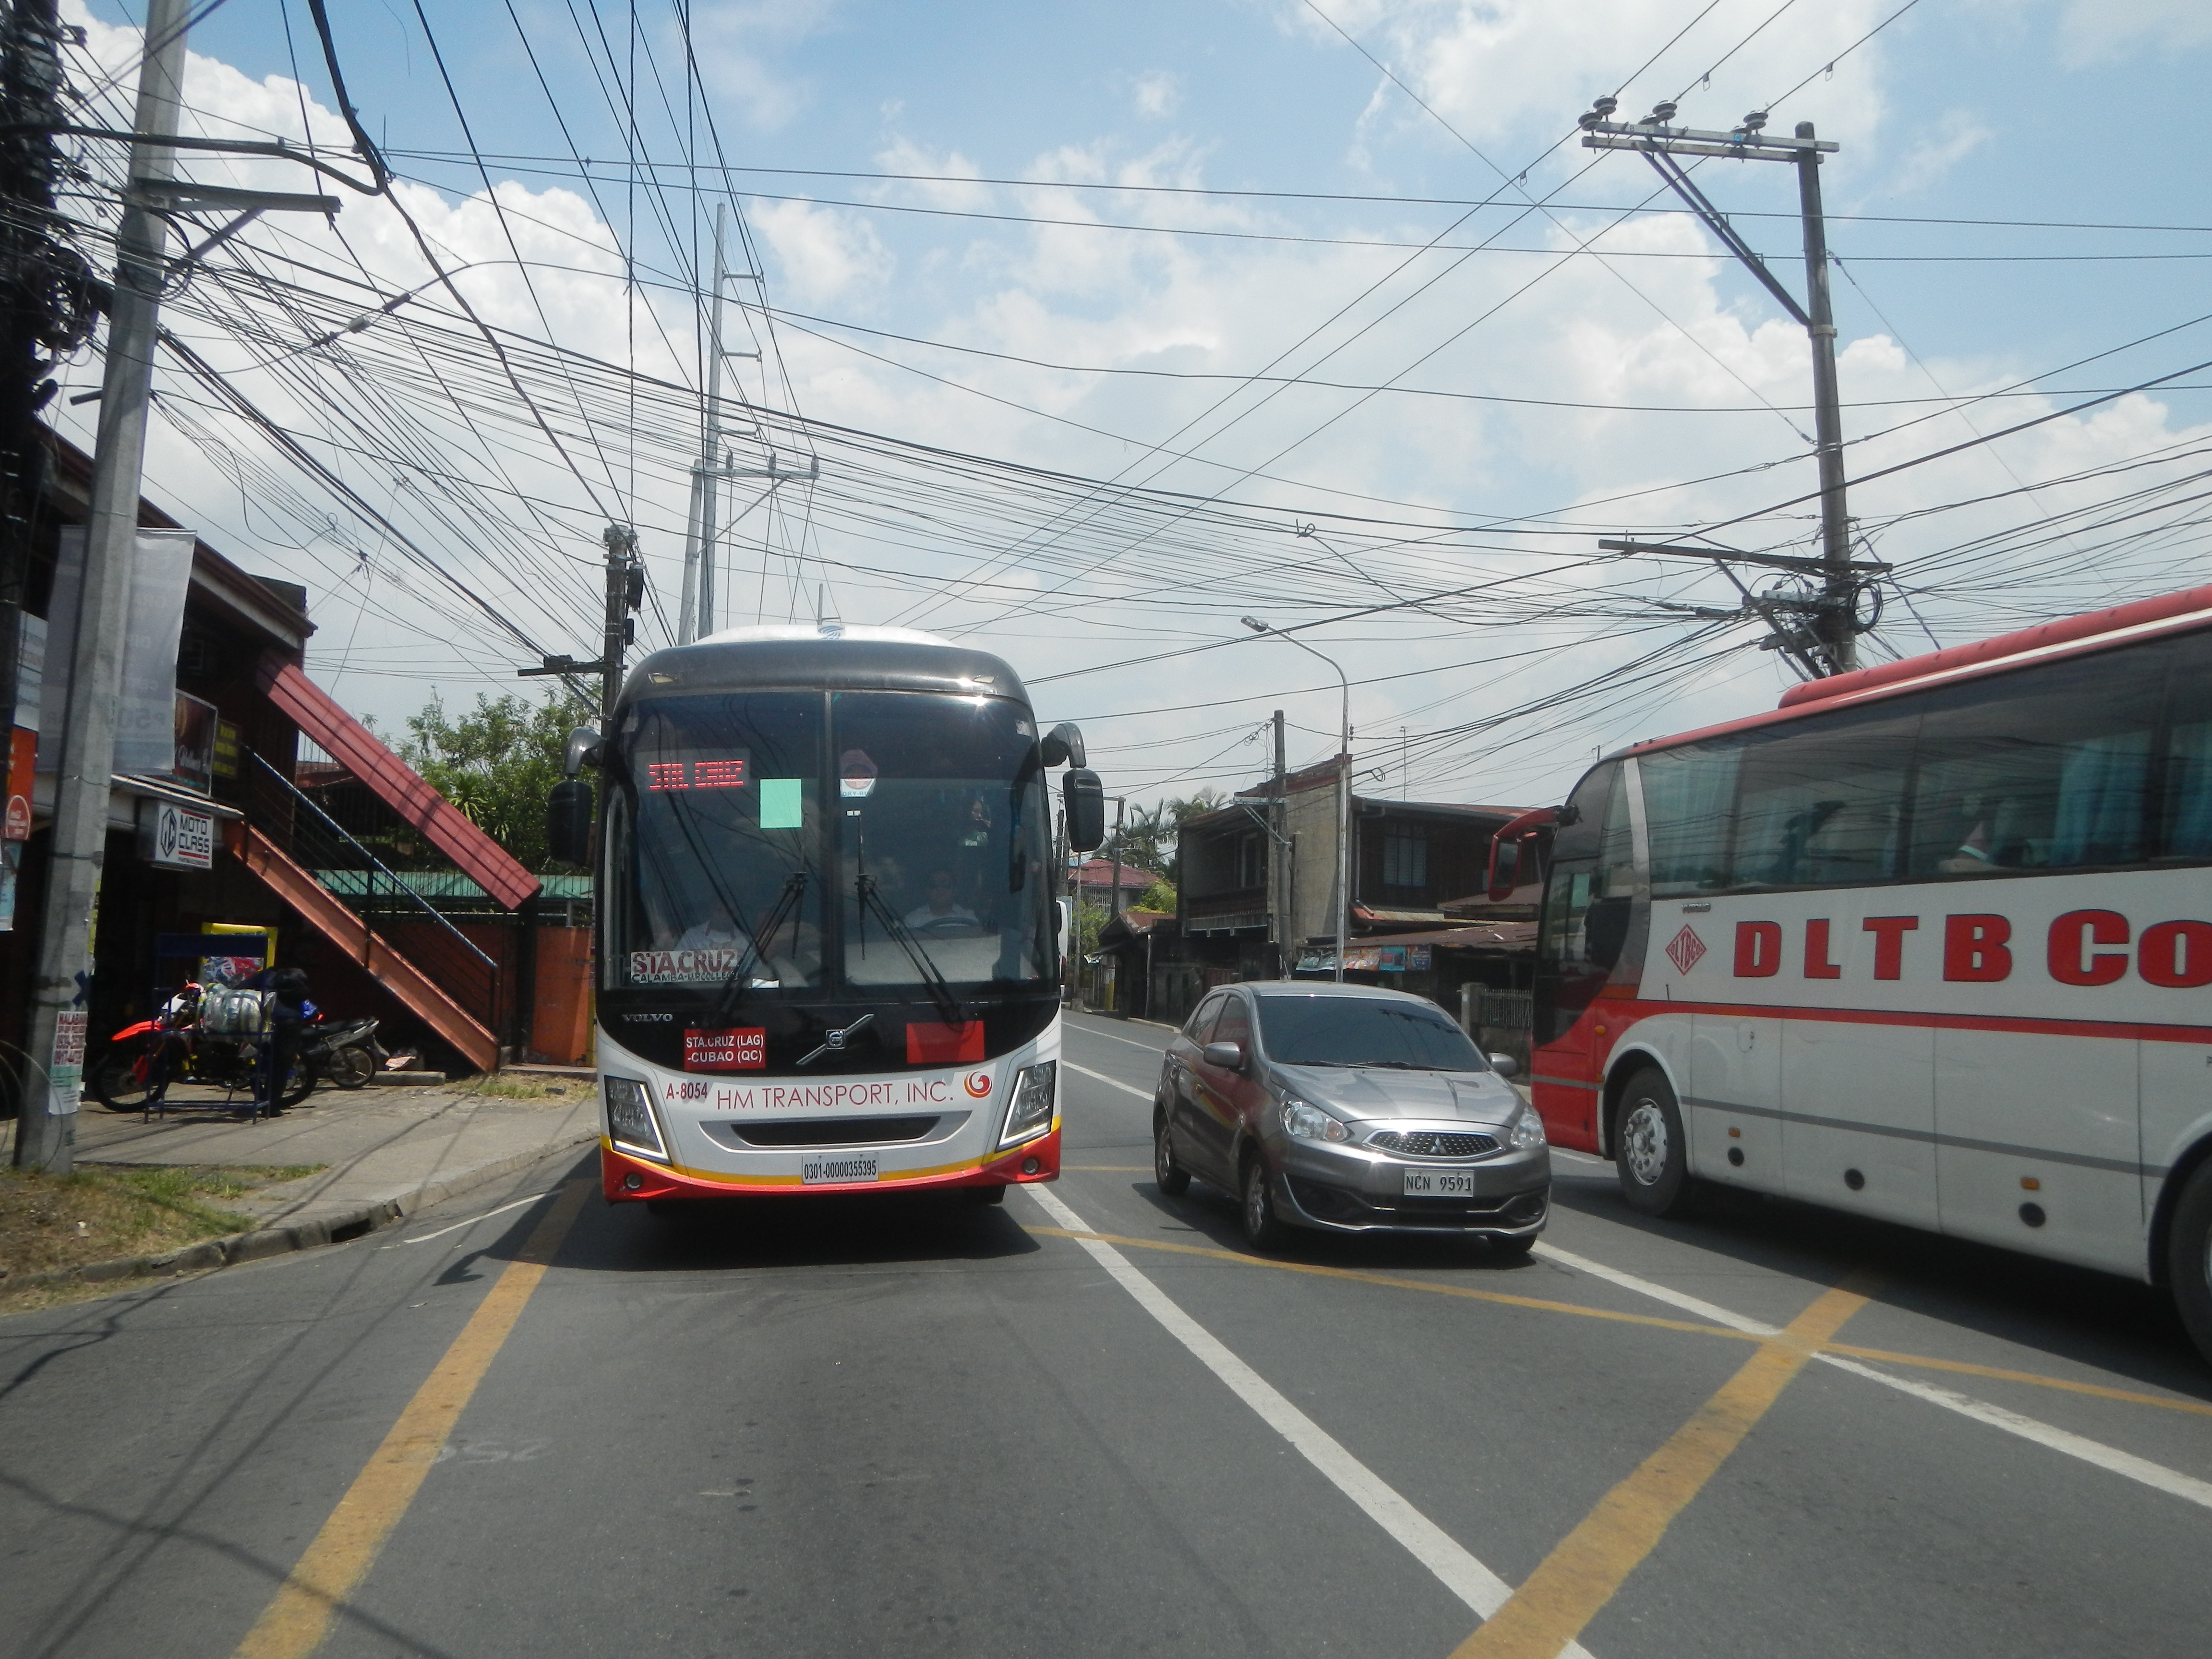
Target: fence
{"type": "Point", "coordinates": [1498, 1021]}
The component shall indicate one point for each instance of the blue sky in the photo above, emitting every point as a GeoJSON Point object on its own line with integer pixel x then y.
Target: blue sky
{"type": "Point", "coordinates": [2043, 111]}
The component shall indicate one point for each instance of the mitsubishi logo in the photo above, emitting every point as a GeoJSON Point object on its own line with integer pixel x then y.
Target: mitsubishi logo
{"type": "Point", "coordinates": [832, 1042]}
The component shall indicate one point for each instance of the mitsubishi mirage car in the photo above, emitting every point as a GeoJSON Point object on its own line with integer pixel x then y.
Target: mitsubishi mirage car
{"type": "Point", "coordinates": [1349, 1110]}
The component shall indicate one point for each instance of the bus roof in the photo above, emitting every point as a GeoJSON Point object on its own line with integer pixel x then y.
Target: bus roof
{"type": "Point", "coordinates": [2093, 630]}
{"type": "Point", "coordinates": [831, 656]}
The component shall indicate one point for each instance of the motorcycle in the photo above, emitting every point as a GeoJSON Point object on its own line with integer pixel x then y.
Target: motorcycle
{"type": "Point", "coordinates": [346, 1052]}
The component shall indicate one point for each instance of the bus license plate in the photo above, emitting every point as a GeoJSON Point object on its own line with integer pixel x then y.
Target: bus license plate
{"type": "Point", "coordinates": [1438, 1183]}
{"type": "Point", "coordinates": [831, 1170]}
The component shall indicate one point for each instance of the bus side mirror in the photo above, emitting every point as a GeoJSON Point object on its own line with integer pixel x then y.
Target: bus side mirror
{"type": "Point", "coordinates": [584, 750]}
{"type": "Point", "coordinates": [568, 822]}
{"type": "Point", "coordinates": [1504, 870]}
{"type": "Point", "coordinates": [1084, 799]}
{"type": "Point", "coordinates": [1063, 745]}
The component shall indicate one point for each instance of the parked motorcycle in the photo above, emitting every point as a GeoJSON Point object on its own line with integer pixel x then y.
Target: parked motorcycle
{"type": "Point", "coordinates": [346, 1051]}
{"type": "Point", "coordinates": [143, 1061]}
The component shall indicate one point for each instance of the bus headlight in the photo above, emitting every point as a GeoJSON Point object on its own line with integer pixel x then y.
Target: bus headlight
{"type": "Point", "coordinates": [629, 1117]}
{"type": "Point", "coordinates": [1527, 1130]}
{"type": "Point", "coordinates": [1030, 1113]}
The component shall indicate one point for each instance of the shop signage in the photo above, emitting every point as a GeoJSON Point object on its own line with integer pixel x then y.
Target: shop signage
{"type": "Point", "coordinates": [22, 757]}
{"type": "Point", "coordinates": [175, 836]}
{"type": "Point", "coordinates": [194, 762]}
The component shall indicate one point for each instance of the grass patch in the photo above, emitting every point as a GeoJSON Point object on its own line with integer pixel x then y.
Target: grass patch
{"type": "Point", "coordinates": [96, 1214]}
{"type": "Point", "coordinates": [517, 1088]}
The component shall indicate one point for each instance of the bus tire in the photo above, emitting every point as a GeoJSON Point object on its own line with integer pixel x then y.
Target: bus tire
{"type": "Point", "coordinates": [2189, 1258]}
{"type": "Point", "coordinates": [1651, 1156]}
{"type": "Point", "coordinates": [1169, 1176]}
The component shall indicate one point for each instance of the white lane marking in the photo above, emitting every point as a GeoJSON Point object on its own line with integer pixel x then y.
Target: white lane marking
{"type": "Point", "coordinates": [1482, 1591]}
{"type": "Point", "coordinates": [424, 1238]}
{"type": "Point", "coordinates": [1110, 1082]}
{"type": "Point", "coordinates": [2110, 1458]}
{"type": "Point", "coordinates": [1682, 1300]}
{"type": "Point", "coordinates": [1110, 1037]}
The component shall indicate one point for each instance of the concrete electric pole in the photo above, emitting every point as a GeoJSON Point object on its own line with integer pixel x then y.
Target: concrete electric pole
{"type": "Point", "coordinates": [625, 593]}
{"type": "Point", "coordinates": [1659, 143]}
{"type": "Point", "coordinates": [45, 1127]}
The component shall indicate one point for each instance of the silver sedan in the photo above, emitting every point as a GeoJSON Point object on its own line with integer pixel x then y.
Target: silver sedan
{"type": "Point", "coordinates": [1348, 1109]}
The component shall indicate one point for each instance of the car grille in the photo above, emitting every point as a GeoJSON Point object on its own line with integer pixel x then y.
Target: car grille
{"type": "Point", "coordinates": [1433, 1143]}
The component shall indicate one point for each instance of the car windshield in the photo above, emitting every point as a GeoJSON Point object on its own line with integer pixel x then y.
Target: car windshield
{"type": "Point", "coordinates": [1340, 1031]}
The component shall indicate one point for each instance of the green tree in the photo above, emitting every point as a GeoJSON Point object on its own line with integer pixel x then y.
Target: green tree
{"type": "Point", "coordinates": [1158, 896]}
{"type": "Point", "coordinates": [498, 762]}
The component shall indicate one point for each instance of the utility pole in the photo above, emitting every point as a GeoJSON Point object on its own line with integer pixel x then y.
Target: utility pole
{"type": "Point", "coordinates": [1279, 913]}
{"type": "Point", "coordinates": [625, 593]}
{"type": "Point", "coordinates": [1343, 898]}
{"type": "Point", "coordinates": [45, 1126]}
{"type": "Point", "coordinates": [1113, 904]}
{"type": "Point", "coordinates": [1659, 143]}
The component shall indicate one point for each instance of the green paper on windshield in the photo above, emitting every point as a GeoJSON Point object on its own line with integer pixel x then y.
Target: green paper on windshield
{"type": "Point", "coordinates": [779, 799]}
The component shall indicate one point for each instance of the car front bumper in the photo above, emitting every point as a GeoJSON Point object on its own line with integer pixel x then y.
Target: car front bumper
{"type": "Point", "coordinates": [1350, 1189]}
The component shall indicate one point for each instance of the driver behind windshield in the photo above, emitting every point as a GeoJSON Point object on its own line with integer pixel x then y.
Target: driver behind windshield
{"type": "Point", "coordinates": [941, 910]}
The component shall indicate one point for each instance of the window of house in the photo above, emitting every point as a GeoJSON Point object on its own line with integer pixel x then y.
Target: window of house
{"type": "Point", "coordinates": [1251, 869]}
{"type": "Point", "coordinates": [1405, 858]}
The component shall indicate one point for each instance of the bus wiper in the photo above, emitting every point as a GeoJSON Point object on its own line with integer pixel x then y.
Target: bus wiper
{"type": "Point", "coordinates": [941, 992]}
{"type": "Point", "coordinates": [735, 987]}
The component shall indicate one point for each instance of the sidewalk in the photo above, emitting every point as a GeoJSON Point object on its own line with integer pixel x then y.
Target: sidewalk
{"type": "Point", "coordinates": [387, 1152]}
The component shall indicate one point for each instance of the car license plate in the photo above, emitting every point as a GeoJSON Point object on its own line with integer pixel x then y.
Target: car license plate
{"type": "Point", "coordinates": [832, 1169]}
{"type": "Point", "coordinates": [1438, 1183]}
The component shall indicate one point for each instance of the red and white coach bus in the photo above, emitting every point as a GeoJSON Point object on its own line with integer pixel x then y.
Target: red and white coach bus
{"type": "Point", "coordinates": [1931, 942]}
{"type": "Point", "coordinates": [828, 951]}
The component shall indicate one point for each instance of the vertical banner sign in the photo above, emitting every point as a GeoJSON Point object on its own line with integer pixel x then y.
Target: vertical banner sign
{"type": "Point", "coordinates": [66, 1074]}
{"type": "Point", "coordinates": [146, 717]}
{"type": "Point", "coordinates": [30, 668]}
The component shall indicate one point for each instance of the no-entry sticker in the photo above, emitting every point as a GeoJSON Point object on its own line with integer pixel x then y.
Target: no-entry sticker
{"type": "Point", "coordinates": [744, 1049]}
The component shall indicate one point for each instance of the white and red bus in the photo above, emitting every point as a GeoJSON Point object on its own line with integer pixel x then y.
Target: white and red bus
{"type": "Point", "coordinates": [1931, 942]}
{"type": "Point", "coordinates": [829, 950]}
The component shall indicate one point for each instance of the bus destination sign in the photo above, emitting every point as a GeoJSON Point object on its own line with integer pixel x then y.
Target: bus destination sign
{"type": "Point", "coordinates": [744, 1050]}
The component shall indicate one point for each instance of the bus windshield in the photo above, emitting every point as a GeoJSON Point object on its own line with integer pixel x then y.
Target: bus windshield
{"type": "Point", "coordinates": [780, 843]}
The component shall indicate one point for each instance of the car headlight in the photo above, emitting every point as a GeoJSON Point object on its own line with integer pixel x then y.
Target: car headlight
{"type": "Point", "coordinates": [1029, 1114]}
{"type": "Point", "coordinates": [1308, 1122]}
{"type": "Point", "coordinates": [1528, 1130]}
{"type": "Point", "coordinates": [631, 1122]}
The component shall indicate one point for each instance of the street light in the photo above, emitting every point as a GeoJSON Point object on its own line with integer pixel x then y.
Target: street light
{"type": "Point", "coordinates": [1343, 784]}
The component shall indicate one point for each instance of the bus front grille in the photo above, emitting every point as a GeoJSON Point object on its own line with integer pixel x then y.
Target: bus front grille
{"type": "Point", "coordinates": [833, 1132]}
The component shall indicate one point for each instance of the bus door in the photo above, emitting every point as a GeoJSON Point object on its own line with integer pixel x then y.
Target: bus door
{"type": "Point", "coordinates": [1589, 905]}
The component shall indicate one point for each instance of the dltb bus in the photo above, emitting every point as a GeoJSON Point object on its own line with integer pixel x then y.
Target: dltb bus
{"type": "Point", "coordinates": [1931, 942]}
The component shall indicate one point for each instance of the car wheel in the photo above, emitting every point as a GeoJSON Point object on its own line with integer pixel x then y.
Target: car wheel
{"type": "Point", "coordinates": [1650, 1155]}
{"type": "Point", "coordinates": [2189, 1258]}
{"type": "Point", "coordinates": [1263, 1231]}
{"type": "Point", "coordinates": [1514, 1247]}
{"type": "Point", "coordinates": [1169, 1176]}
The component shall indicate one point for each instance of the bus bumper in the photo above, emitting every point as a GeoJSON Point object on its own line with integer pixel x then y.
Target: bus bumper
{"type": "Point", "coordinates": [626, 1180]}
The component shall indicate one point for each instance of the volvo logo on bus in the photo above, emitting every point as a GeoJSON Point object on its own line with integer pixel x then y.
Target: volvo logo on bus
{"type": "Point", "coordinates": [834, 1041]}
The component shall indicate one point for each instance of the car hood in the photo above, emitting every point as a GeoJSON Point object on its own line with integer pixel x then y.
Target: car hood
{"type": "Point", "coordinates": [1364, 1092]}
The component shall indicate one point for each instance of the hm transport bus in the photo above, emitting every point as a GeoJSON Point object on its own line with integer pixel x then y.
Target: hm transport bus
{"type": "Point", "coordinates": [829, 944]}
{"type": "Point", "coordinates": [1931, 942]}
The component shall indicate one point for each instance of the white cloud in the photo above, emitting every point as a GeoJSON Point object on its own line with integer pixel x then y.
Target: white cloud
{"type": "Point", "coordinates": [737, 42]}
{"type": "Point", "coordinates": [822, 253]}
{"type": "Point", "coordinates": [2105, 30]}
{"type": "Point", "coordinates": [1956, 135]}
{"type": "Point", "coordinates": [1158, 94]}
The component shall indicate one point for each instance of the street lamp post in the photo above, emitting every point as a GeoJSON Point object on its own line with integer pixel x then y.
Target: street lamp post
{"type": "Point", "coordinates": [1343, 784]}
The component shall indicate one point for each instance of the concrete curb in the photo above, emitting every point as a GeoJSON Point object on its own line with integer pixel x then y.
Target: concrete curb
{"type": "Point", "coordinates": [264, 1242]}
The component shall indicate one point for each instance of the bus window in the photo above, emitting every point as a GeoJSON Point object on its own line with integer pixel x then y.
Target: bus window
{"type": "Point", "coordinates": [1822, 805]}
{"type": "Point", "coordinates": [2185, 826]}
{"type": "Point", "coordinates": [1589, 901]}
{"type": "Point", "coordinates": [1689, 794]}
{"type": "Point", "coordinates": [2047, 769]}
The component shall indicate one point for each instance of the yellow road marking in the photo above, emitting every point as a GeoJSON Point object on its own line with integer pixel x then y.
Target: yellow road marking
{"type": "Point", "coordinates": [1887, 1357]}
{"type": "Point", "coordinates": [1591, 1562]}
{"type": "Point", "coordinates": [295, 1622]}
{"type": "Point", "coordinates": [1394, 1283]}
{"type": "Point", "coordinates": [1966, 1368]}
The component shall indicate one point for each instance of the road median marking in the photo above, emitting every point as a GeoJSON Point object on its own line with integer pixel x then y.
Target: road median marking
{"type": "Point", "coordinates": [295, 1621]}
{"type": "Point", "coordinates": [1591, 1562]}
{"type": "Point", "coordinates": [1474, 1584]}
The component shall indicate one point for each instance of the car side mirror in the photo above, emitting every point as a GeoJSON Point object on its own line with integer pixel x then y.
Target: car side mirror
{"type": "Point", "coordinates": [1504, 1065]}
{"type": "Point", "coordinates": [1083, 799]}
{"type": "Point", "coordinates": [1229, 1056]}
{"type": "Point", "coordinates": [569, 821]}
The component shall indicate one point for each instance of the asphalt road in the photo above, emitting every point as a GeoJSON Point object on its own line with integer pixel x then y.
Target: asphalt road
{"type": "Point", "coordinates": [829, 1428]}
